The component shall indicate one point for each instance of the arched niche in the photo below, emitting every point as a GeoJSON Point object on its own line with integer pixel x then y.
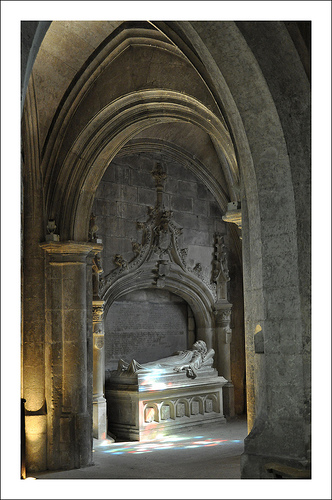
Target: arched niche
{"type": "Point", "coordinates": [198, 297]}
{"type": "Point", "coordinates": [146, 325]}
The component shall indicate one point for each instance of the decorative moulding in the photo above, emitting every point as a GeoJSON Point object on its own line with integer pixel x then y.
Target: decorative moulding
{"type": "Point", "coordinates": [159, 255]}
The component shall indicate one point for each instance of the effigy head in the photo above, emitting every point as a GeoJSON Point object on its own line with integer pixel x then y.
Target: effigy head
{"type": "Point", "coordinates": [200, 346]}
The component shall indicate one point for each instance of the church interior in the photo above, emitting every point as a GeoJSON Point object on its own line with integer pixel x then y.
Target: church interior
{"type": "Point", "coordinates": [166, 173]}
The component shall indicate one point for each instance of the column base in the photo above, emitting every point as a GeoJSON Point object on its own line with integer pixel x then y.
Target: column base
{"type": "Point", "coordinates": [228, 399]}
{"type": "Point", "coordinates": [273, 467]}
{"type": "Point", "coordinates": [99, 419]}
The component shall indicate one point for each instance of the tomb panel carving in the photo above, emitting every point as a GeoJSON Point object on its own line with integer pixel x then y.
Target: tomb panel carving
{"type": "Point", "coordinates": [166, 412]}
{"type": "Point", "coordinates": [151, 413]}
{"type": "Point", "coordinates": [177, 408]}
{"type": "Point", "coordinates": [181, 409]}
{"type": "Point", "coordinates": [196, 406]}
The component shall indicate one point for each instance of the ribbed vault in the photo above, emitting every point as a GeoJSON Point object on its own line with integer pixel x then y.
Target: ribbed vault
{"type": "Point", "coordinates": [107, 133]}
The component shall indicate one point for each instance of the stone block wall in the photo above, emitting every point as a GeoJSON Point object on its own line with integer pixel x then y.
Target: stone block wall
{"type": "Point", "coordinates": [146, 325]}
{"type": "Point", "coordinates": [124, 193]}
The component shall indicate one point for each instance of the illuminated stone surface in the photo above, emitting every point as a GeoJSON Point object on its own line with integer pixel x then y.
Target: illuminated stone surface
{"type": "Point", "coordinates": [143, 405]}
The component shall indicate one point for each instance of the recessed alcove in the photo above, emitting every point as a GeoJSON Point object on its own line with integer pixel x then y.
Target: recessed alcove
{"type": "Point", "coordinates": [146, 325]}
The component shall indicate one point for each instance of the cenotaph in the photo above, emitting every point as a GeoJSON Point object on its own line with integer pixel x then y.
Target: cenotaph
{"type": "Point", "coordinates": [146, 401]}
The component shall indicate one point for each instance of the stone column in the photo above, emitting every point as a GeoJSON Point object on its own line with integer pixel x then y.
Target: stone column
{"type": "Point", "coordinates": [68, 339]}
{"type": "Point", "coordinates": [223, 340]}
{"type": "Point", "coordinates": [99, 401]}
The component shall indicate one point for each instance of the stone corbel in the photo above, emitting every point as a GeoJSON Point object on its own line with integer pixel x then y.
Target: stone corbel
{"type": "Point", "coordinates": [234, 214]}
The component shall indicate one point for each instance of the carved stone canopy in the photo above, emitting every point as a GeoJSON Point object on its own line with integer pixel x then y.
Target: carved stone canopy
{"type": "Point", "coordinates": [158, 260]}
{"type": "Point", "coordinates": [159, 243]}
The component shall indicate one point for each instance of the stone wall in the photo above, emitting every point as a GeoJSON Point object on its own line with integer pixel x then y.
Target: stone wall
{"type": "Point", "coordinates": [127, 188]}
{"type": "Point", "coordinates": [145, 325]}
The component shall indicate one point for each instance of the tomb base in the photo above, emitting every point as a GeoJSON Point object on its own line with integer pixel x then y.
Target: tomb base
{"type": "Point", "coordinates": [145, 406]}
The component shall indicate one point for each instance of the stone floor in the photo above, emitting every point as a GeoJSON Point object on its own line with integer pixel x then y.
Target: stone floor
{"type": "Point", "coordinates": [205, 451]}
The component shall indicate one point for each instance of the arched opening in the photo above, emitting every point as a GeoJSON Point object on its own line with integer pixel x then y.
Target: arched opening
{"type": "Point", "coordinates": [216, 116]}
{"type": "Point", "coordinates": [144, 325]}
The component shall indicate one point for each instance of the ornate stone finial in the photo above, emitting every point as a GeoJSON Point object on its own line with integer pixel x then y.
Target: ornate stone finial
{"type": "Point", "coordinates": [220, 272]}
{"type": "Point", "coordinates": [51, 228]}
{"type": "Point", "coordinates": [93, 229]}
{"type": "Point", "coordinates": [97, 270]}
{"type": "Point", "coordinates": [159, 175]}
{"type": "Point", "coordinates": [220, 264]}
{"type": "Point", "coordinates": [223, 261]}
{"type": "Point", "coordinates": [96, 264]}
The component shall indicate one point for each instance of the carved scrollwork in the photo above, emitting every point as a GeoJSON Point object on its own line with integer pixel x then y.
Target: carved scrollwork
{"type": "Point", "coordinates": [120, 261]}
{"type": "Point", "coordinates": [137, 247]}
{"type": "Point", "coordinates": [198, 269]}
{"type": "Point", "coordinates": [159, 243]}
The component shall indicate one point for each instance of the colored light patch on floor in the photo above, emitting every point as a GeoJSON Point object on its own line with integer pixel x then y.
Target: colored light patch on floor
{"type": "Point", "coordinates": [169, 443]}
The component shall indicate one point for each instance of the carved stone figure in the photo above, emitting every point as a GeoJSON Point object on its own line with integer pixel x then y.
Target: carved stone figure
{"type": "Point", "coordinates": [189, 361]}
{"type": "Point", "coordinates": [51, 226]}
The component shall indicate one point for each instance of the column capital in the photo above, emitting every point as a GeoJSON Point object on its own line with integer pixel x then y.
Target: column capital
{"type": "Point", "coordinates": [71, 247]}
{"type": "Point", "coordinates": [97, 311]}
{"type": "Point", "coordinates": [222, 312]}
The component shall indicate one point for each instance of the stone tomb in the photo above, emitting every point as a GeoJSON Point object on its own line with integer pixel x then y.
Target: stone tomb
{"type": "Point", "coordinates": [147, 405]}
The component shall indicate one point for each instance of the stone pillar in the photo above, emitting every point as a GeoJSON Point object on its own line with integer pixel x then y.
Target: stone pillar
{"type": "Point", "coordinates": [223, 342]}
{"type": "Point", "coordinates": [99, 401]}
{"type": "Point", "coordinates": [68, 339]}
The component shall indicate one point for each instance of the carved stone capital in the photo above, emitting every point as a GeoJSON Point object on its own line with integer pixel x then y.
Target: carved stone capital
{"type": "Point", "coordinates": [159, 175]}
{"type": "Point", "coordinates": [223, 314]}
{"type": "Point", "coordinates": [97, 311]}
{"type": "Point", "coordinates": [70, 247]}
